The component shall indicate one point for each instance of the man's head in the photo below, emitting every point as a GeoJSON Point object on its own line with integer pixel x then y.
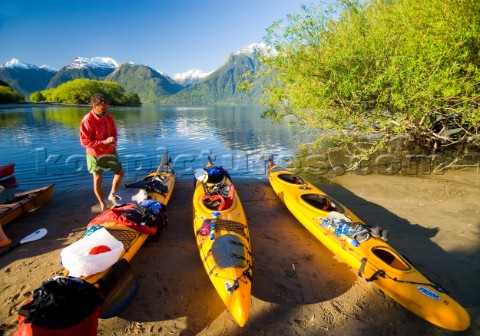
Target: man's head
{"type": "Point", "coordinates": [99, 104]}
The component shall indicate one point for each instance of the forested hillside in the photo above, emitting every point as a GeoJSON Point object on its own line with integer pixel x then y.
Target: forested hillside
{"type": "Point", "coordinates": [8, 95]}
{"type": "Point", "coordinates": [224, 85]}
{"type": "Point", "coordinates": [148, 84]}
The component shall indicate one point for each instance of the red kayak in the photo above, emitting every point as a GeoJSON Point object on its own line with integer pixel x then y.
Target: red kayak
{"type": "Point", "coordinates": [7, 170]}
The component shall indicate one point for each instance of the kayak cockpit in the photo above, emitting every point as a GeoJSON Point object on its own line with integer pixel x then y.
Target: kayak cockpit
{"type": "Point", "coordinates": [391, 258]}
{"type": "Point", "coordinates": [322, 202]}
{"type": "Point", "coordinates": [291, 178]}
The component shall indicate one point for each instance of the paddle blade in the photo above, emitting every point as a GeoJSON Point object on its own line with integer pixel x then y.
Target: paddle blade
{"type": "Point", "coordinates": [39, 234]}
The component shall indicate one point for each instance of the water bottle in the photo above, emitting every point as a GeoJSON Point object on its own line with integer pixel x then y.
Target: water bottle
{"type": "Point", "coordinates": [324, 222]}
{"type": "Point", "coordinates": [213, 225]}
{"type": "Point", "coordinates": [340, 229]}
{"type": "Point", "coordinates": [350, 231]}
{"type": "Point", "coordinates": [213, 229]}
{"type": "Point", "coordinates": [352, 241]}
{"type": "Point", "coordinates": [336, 231]}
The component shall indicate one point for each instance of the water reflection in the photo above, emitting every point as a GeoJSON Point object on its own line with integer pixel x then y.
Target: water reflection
{"type": "Point", "coordinates": [43, 141]}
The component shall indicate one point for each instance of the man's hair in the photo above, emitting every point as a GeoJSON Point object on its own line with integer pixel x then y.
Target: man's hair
{"type": "Point", "coordinates": [98, 99]}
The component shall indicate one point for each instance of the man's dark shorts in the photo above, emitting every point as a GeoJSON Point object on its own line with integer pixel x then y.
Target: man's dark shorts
{"type": "Point", "coordinates": [99, 164]}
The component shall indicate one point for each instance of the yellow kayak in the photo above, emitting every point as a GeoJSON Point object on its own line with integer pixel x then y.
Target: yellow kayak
{"type": "Point", "coordinates": [117, 283]}
{"type": "Point", "coordinates": [223, 239]}
{"type": "Point", "coordinates": [366, 250]}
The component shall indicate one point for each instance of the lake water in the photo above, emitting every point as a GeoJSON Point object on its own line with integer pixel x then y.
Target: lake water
{"type": "Point", "coordinates": [43, 141]}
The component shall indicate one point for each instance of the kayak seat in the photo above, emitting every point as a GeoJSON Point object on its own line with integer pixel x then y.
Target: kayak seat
{"type": "Point", "coordinates": [228, 251]}
{"type": "Point", "coordinates": [321, 202]}
{"type": "Point", "coordinates": [214, 202]}
{"type": "Point", "coordinates": [291, 178]}
{"type": "Point", "coordinates": [390, 258]}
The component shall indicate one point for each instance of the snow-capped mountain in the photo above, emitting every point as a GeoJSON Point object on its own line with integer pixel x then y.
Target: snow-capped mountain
{"type": "Point", "coordinates": [26, 78]}
{"type": "Point", "coordinates": [15, 63]}
{"type": "Point", "coordinates": [94, 62]}
{"type": "Point", "coordinates": [190, 77]}
{"type": "Point", "coordinates": [193, 86]}
{"type": "Point", "coordinates": [48, 68]}
{"type": "Point", "coordinates": [252, 49]}
{"type": "Point", "coordinates": [221, 86]}
{"type": "Point", "coordinates": [96, 68]}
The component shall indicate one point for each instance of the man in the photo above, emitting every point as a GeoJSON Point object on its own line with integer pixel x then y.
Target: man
{"type": "Point", "coordinates": [98, 133]}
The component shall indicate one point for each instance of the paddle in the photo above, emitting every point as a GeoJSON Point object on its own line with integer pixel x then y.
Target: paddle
{"type": "Point", "coordinates": [39, 234]}
{"type": "Point", "coordinates": [162, 162]}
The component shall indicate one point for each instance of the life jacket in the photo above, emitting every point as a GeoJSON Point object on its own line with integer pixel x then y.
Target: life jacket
{"type": "Point", "coordinates": [147, 219]}
{"type": "Point", "coordinates": [61, 306]}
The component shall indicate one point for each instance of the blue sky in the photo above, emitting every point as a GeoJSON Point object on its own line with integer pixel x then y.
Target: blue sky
{"type": "Point", "coordinates": [168, 35]}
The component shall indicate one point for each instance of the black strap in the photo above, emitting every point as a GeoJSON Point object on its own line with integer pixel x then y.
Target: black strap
{"type": "Point", "coordinates": [374, 276]}
{"type": "Point", "coordinates": [247, 274]}
{"type": "Point", "coordinates": [383, 274]}
{"type": "Point", "coordinates": [234, 255]}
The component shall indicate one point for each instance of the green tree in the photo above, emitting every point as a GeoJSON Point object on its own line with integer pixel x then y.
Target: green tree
{"type": "Point", "coordinates": [388, 70]}
{"type": "Point", "coordinates": [79, 91]}
{"type": "Point", "coordinates": [131, 99]}
{"type": "Point", "coordinates": [37, 97]}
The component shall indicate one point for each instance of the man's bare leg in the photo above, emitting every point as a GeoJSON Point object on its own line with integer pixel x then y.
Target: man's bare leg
{"type": "Point", "coordinates": [97, 188]}
{"type": "Point", "coordinates": [117, 179]}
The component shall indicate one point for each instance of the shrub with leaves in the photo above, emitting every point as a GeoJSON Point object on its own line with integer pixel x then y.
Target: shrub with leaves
{"type": "Point", "coordinates": [380, 70]}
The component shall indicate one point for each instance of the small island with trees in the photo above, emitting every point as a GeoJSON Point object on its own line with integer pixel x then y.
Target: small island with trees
{"type": "Point", "coordinates": [79, 91]}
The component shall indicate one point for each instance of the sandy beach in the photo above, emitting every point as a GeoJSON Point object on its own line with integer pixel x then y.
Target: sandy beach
{"type": "Point", "coordinates": [299, 287]}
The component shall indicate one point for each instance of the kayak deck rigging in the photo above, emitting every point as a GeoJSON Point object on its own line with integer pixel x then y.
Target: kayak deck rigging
{"type": "Point", "coordinates": [126, 237]}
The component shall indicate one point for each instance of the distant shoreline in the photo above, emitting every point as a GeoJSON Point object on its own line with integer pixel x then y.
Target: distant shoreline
{"type": "Point", "coordinates": [7, 106]}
